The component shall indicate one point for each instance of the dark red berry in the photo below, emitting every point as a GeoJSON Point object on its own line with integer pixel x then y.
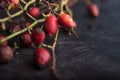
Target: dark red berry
{"type": "Point", "coordinates": [38, 36]}
{"type": "Point", "coordinates": [93, 9]}
{"type": "Point", "coordinates": [15, 28]}
{"type": "Point", "coordinates": [27, 24]}
{"type": "Point", "coordinates": [26, 39]}
{"type": "Point", "coordinates": [51, 25]}
{"type": "Point", "coordinates": [71, 3]}
{"type": "Point", "coordinates": [6, 54]}
{"type": "Point", "coordinates": [34, 12]}
{"type": "Point", "coordinates": [41, 57]}
{"type": "Point", "coordinates": [4, 43]}
{"type": "Point", "coordinates": [66, 21]}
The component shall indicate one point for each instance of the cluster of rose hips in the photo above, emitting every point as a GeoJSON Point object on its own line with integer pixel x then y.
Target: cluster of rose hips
{"type": "Point", "coordinates": [29, 35]}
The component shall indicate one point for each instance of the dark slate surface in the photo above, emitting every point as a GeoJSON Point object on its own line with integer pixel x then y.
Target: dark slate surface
{"type": "Point", "coordinates": [95, 55]}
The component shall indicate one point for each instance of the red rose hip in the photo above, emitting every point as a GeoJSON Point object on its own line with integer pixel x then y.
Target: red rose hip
{"type": "Point", "coordinates": [66, 21]}
{"type": "Point", "coordinates": [34, 12]}
{"type": "Point", "coordinates": [26, 39]}
{"type": "Point", "coordinates": [93, 9]}
{"type": "Point", "coordinates": [27, 24]}
{"type": "Point", "coordinates": [6, 54]}
{"type": "Point", "coordinates": [14, 3]}
{"type": "Point", "coordinates": [4, 43]}
{"type": "Point", "coordinates": [51, 25]}
{"type": "Point", "coordinates": [38, 36]}
{"type": "Point", "coordinates": [15, 28]}
{"type": "Point", "coordinates": [41, 57]}
{"type": "Point", "coordinates": [70, 3]}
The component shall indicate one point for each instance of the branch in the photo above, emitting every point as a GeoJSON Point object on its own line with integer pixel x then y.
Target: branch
{"type": "Point", "coordinates": [21, 31]}
{"type": "Point", "coordinates": [17, 13]}
{"type": "Point", "coordinates": [53, 66]}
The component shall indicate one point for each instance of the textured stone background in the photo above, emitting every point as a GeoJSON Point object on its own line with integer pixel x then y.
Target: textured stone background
{"type": "Point", "coordinates": [95, 55]}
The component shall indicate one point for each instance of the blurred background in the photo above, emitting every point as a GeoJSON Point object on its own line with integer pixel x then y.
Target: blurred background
{"type": "Point", "coordinates": [95, 55]}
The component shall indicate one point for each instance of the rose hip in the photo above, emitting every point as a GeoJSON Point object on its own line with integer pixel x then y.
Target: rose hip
{"type": "Point", "coordinates": [14, 28]}
{"type": "Point", "coordinates": [41, 57]}
{"type": "Point", "coordinates": [27, 24]}
{"type": "Point", "coordinates": [34, 12]}
{"type": "Point", "coordinates": [66, 21]}
{"type": "Point", "coordinates": [4, 43]}
{"type": "Point", "coordinates": [26, 39]}
{"type": "Point", "coordinates": [71, 3]}
{"type": "Point", "coordinates": [51, 25]}
{"type": "Point", "coordinates": [6, 54]}
{"type": "Point", "coordinates": [14, 3]}
{"type": "Point", "coordinates": [38, 36]}
{"type": "Point", "coordinates": [94, 10]}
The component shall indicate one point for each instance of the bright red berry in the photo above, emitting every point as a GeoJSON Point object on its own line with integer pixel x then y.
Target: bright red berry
{"type": "Point", "coordinates": [4, 43]}
{"type": "Point", "coordinates": [66, 21]}
{"type": "Point", "coordinates": [93, 9]}
{"type": "Point", "coordinates": [38, 36]}
{"type": "Point", "coordinates": [26, 39]}
{"type": "Point", "coordinates": [6, 54]}
{"type": "Point", "coordinates": [41, 57]}
{"type": "Point", "coordinates": [51, 25]}
{"type": "Point", "coordinates": [34, 12]}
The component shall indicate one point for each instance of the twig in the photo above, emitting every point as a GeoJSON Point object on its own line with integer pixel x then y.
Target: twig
{"type": "Point", "coordinates": [49, 6]}
{"type": "Point", "coordinates": [17, 13]}
{"type": "Point", "coordinates": [23, 1]}
{"type": "Point", "coordinates": [74, 33]}
{"type": "Point", "coordinates": [45, 45]}
{"type": "Point", "coordinates": [21, 31]}
{"type": "Point", "coordinates": [53, 66]}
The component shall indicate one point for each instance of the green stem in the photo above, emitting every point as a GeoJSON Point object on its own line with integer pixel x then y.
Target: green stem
{"type": "Point", "coordinates": [21, 31]}
{"type": "Point", "coordinates": [30, 2]}
{"type": "Point", "coordinates": [63, 3]}
{"type": "Point", "coordinates": [3, 26]}
{"type": "Point", "coordinates": [55, 40]}
{"type": "Point", "coordinates": [61, 7]}
{"type": "Point", "coordinates": [17, 13]}
{"type": "Point", "coordinates": [69, 10]}
{"type": "Point", "coordinates": [23, 2]}
{"type": "Point", "coordinates": [31, 16]}
{"type": "Point", "coordinates": [45, 45]}
{"type": "Point", "coordinates": [14, 15]}
{"type": "Point", "coordinates": [8, 13]}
